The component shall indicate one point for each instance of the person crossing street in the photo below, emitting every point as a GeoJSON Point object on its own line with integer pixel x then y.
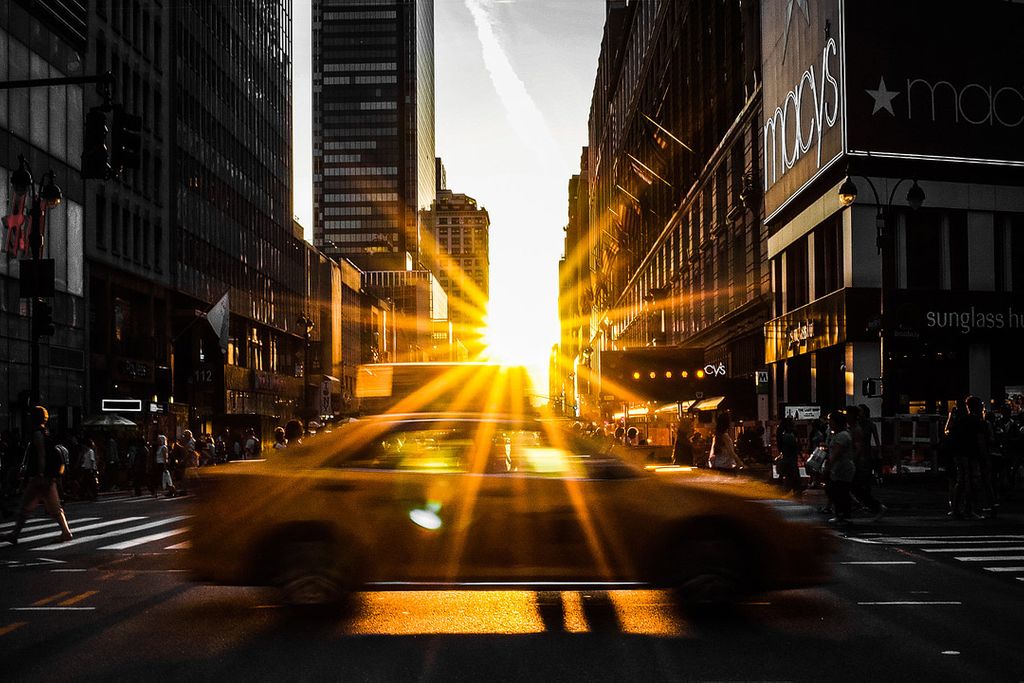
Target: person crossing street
{"type": "Point", "coordinates": [43, 466]}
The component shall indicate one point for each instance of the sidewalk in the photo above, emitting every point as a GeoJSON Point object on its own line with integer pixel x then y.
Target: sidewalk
{"type": "Point", "coordinates": [923, 501]}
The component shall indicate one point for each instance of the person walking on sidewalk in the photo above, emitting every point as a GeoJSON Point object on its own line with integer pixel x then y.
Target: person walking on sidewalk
{"type": "Point", "coordinates": [43, 466]}
{"type": "Point", "coordinates": [839, 468]}
{"type": "Point", "coordinates": [861, 485]}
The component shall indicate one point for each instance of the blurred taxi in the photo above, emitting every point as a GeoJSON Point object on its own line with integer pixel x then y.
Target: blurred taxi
{"type": "Point", "coordinates": [431, 500]}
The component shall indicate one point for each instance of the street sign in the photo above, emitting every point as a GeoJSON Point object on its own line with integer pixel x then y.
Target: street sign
{"type": "Point", "coordinates": [803, 412]}
{"type": "Point", "coordinates": [121, 405]}
{"type": "Point", "coordinates": [872, 387]}
{"type": "Point", "coordinates": [325, 398]}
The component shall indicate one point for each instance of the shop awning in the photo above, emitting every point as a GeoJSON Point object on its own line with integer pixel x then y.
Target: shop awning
{"type": "Point", "coordinates": [708, 403]}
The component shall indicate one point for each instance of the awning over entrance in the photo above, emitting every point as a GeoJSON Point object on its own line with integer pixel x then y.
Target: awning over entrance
{"type": "Point", "coordinates": [707, 403]}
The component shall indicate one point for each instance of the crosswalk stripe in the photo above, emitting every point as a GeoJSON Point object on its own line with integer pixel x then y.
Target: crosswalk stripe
{"type": "Point", "coordinates": [993, 558]}
{"type": "Point", "coordinates": [946, 541]}
{"type": "Point", "coordinates": [145, 539]}
{"type": "Point", "coordinates": [77, 529]}
{"type": "Point", "coordinates": [1007, 549]}
{"type": "Point", "coordinates": [41, 523]}
{"type": "Point", "coordinates": [110, 534]}
{"type": "Point", "coordinates": [1005, 569]}
{"type": "Point", "coordinates": [179, 546]}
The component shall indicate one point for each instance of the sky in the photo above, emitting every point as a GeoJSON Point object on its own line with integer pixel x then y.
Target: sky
{"type": "Point", "coordinates": [513, 83]}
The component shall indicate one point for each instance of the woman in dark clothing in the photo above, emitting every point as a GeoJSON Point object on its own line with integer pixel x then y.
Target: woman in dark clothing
{"type": "Point", "coordinates": [789, 449]}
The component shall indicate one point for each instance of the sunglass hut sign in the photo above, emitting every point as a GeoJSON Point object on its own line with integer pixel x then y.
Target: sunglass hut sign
{"type": "Point", "coordinates": [802, 94]}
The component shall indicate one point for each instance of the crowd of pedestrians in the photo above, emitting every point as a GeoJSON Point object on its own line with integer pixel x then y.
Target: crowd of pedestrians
{"type": "Point", "coordinates": [94, 462]}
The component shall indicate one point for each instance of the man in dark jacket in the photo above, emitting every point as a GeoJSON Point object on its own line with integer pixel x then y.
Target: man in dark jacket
{"type": "Point", "coordinates": [42, 468]}
{"type": "Point", "coordinates": [968, 437]}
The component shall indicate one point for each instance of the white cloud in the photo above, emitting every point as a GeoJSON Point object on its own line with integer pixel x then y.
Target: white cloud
{"type": "Point", "coordinates": [524, 116]}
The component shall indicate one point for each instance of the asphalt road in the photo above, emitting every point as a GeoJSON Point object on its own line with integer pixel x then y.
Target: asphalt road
{"type": "Point", "coordinates": [909, 598]}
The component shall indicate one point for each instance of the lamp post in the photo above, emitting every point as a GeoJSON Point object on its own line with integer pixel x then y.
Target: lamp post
{"type": "Point", "coordinates": [46, 196]}
{"type": "Point", "coordinates": [305, 324]}
{"type": "Point", "coordinates": [885, 242]}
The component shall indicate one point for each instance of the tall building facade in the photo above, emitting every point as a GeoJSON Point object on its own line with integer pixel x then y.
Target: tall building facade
{"type": "Point", "coordinates": [44, 39]}
{"type": "Point", "coordinates": [129, 216]}
{"type": "Point", "coordinates": [574, 300]}
{"type": "Point", "coordinates": [896, 243]}
{"type": "Point", "coordinates": [232, 213]}
{"type": "Point", "coordinates": [373, 129]}
{"type": "Point", "coordinates": [674, 243]}
{"type": "Point", "coordinates": [458, 241]}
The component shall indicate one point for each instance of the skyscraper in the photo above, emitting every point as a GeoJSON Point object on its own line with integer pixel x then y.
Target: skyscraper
{"type": "Point", "coordinates": [373, 128]}
{"type": "Point", "coordinates": [231, 142]}
{"type": "Point", "coordinates": [457, 243]}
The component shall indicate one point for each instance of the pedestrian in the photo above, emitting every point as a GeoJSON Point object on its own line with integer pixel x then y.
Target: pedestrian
{"type": "Point", "coordinates": [872, 441]}
{"type": "Point", "coordinates": [139, 452]}
{"type": "Point", "coordinates": [966, 433]}
{"type": "Point", "coordinates": [280, 442]}
{"type": "Point", "coordinates": [839, 468]}
{"type": "Point", "coordinates": [251, 448]}
{"type": "Point", "coordinates": [220, 449]}
{"type": "Point", "coordinates": [112, 471]}
{"type": "Point", "coordinates": [789, 450]}
{"type": "Point", "coordinates": [861, 485]}
{"type": "Point", "coordinates": [42, 467]}
{"type": "Point", "coordinates": [682, 449]}
{"type": "Point", "coordinates": [724, 457]}
{"type": "Point", "coordinates": [89, 477]}
{"type": "Point", "coordinates": [817, 439]}
{"type": "Point", "coordinates": [293, 432]}
{"type": "Point", "coordinates": [161, 472]}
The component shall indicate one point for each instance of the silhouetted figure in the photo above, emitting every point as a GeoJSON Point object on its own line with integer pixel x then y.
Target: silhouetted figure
{"type": "Point", "coordinates": [43, 466]}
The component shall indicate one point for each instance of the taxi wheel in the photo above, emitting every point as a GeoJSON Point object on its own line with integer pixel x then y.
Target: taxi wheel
{"type": "Point", "coordinates": [708, 569]}
{"type": "Point", "coordinates": [311, 575]}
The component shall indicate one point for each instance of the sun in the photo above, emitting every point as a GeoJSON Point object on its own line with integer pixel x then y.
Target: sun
{"type": "Point", "coordinates": [510, 341]}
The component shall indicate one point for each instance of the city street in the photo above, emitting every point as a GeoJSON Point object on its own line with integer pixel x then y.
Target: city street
{"type": "Point", "coordinates": [911, 595]}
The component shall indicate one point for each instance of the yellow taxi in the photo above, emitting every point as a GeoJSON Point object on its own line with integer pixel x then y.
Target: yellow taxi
{"type": "Point", "coordinates": [431, 500]}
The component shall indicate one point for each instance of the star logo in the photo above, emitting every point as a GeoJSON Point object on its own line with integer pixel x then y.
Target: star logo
{"type": "Point", "coordinates": [802, 5]}
{"type": "Point", "coordinates": [883, 98]}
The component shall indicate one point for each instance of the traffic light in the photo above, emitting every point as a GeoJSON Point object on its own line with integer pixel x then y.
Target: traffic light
{"type": "Point", "coordinates": [95, 154]}
{"type": "Point", "coordinates": [42, 319]}
{"type": "Point", "coordinates": [126, 143]}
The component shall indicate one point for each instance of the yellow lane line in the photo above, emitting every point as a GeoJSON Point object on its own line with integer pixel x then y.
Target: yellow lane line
{"type": "Point", "coordinates": [52, 598]}
{"type": "Point", "coordinates": [4, 630]}
{"type": "Point", "coordinates": [77, 598]}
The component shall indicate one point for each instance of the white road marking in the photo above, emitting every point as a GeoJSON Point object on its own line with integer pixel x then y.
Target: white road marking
{"type": "Point", "coordinates": [145, 539]}
{"type": "Point", "coordinates": [111, 534]}
{"type": "Point", "coordinates": [179, 546]}
{"type": "Point", "coordinates": [76, 529]}
{"type": "Point", "coordinates": [949, 539]}
{"type": "Point", "coordinates": [976, 542]}
{"type": "Point", "coordinates": [913, 602]}
{"type": "Point", "coordinates": [993, 558]}
{"type": "Point", "coordinates": [867, 541]}
{"type": "Point", "coordinates": [51, 609]}
{"type": "Point", "coordinates": [894, 562]}
{"type": "Point", "coordinates": [43, 523]}
{"type": "Point", "coordinates": [1005, 569]}
{"type": "Point", "coordinates": [67, 571]}
{"type": "Point", "coordinates": [1007, 549]}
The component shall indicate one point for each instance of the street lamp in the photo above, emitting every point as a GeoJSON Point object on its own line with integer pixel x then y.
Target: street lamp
{"type": "Point", "coordinates": [305, 324]}
{"type": "Point", "coordinates": [47, 196]}
{"type": "Point", "coordinates": [887, 251]}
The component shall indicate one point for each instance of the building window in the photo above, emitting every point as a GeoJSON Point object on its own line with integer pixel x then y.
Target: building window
{"type": "Point", "coordinates": [101, 221]}
{"type": "Point", "coordinates": [115, 228]}
{"type": "Point", "coordinates": [958, 253]}
{"type": "Point", "coordinates": [796, 275]}
{"type": "Point", "coordinates": [828, 261]}
{"type": "Point", "coordinates": [923, 241]}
